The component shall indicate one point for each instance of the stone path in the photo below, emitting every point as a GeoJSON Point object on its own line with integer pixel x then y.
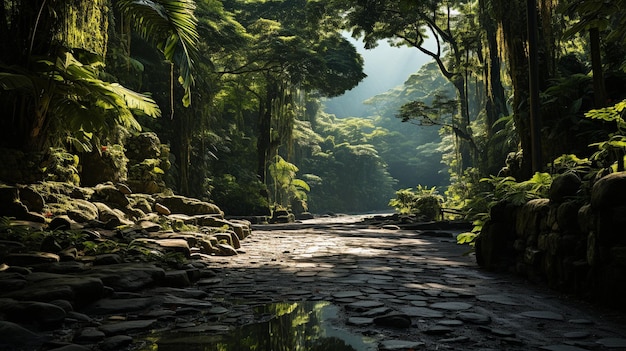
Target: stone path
{"type": "Point", "coordinates": [402, 289]}
{"type": "Point", "coordinates": [384, 278]}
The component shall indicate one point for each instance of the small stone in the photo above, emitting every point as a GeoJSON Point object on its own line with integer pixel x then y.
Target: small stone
{"type": "Point", "coordinates": [161, 209]}
{"type": "Point", "coordinates": [90, 334]}
{"type": "Point", "coordinates": [226, 250]}
{"type": "Point", "coordinates": [124, 189]}
{"type": "Point", "coordinates": [106, 259]}
{"type": "Point", "coordinates": [376, 311]}
{"type": "Point", "coordinates": [474, 318]}
{"type": "Point", "coordinates": [394, 320]}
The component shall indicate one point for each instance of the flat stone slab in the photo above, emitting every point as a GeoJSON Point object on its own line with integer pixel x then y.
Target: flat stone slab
{"type": "Point", "coordinates": [127, 326]}
{"type": "Point", "coordinates": [613, 343]}
{"type": "Point", "coordinates": [111, 306]}
{"type": "Point", "coordinates": [345, 294]}
{"type": "Point", "coordinates": [438, 330]}
{"type": "Point", "coordinates": [582, 334]}
{"type": "Point", "coordinates": [360, 321]}
{"type": "Point", "coordinates": [364, 305]}
{"type": "Point", "coordinates": [543, 315]}
{"type": "Point", "coordinates": [203, 328]}
{"type": "Point", "coordinates": [393, 345]}
{"type": "Point", "coordinates": [451, 306]}
{"type": "Point", "coordinates": [422, 312]}
{"type": "Point", "coordinates": [501, 299]}
{"type": "Point", "coordinates": [450, 322]}
{"type": "Point", "coordinates": [561, 348]}
{"type": "Point", "coordinates": [474, 318]}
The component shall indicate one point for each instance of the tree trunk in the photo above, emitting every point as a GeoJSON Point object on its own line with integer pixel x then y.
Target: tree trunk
{"type": "Point", "coordinates": [510, 16]}
{"type": "Point", "coordinates": [495, 105]}
{"type": "Point", "coordinates": [533, 72]}
{"type": "Point", "coordinates": [265, 123]}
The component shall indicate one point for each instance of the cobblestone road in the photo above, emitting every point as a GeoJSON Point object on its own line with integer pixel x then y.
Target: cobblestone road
{"type": "Point", "coordinates": [424, 278]}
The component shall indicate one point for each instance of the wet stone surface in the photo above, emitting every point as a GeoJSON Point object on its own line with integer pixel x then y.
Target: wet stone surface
{"type": "Point", "coordinates": [396, 289]}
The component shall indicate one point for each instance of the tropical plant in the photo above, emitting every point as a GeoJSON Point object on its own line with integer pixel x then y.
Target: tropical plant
{"type": "Point", "coordinates": [611, 152]}
{"type": "Point", "coordinates": [171, 26]}
{"type": "Point", "coordinates": [518, 193]}
{"type": "Point", "coordinates": [70, 99]}
{"type": "Point", "coordinates": [423, 202]}
{"type": "Point", "coordinates": [286, 187]}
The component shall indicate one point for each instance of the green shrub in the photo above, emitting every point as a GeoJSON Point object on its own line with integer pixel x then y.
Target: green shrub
{"type": "Point", "coordinates": [422, 201]}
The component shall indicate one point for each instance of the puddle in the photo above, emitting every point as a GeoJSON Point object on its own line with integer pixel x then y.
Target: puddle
{"type": "Point", "coordinates": [285, 326]}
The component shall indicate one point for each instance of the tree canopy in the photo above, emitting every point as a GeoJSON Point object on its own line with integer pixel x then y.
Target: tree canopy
{"type": "Point", "coordinates": [236, 88]}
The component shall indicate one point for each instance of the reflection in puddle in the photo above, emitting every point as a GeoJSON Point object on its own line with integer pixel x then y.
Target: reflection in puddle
{"type": "Point", "coordinates": [286, 326]}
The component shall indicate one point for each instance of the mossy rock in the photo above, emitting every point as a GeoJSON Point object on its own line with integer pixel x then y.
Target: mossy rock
{"type": "Point", "coordinates": [188, 206]}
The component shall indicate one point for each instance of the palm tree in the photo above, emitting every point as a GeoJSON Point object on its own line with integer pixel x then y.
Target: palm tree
{"type": "Point", "coordinates": [51, 68]}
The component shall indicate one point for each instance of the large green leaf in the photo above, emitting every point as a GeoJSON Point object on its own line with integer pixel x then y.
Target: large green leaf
{"type": "Point", "coordinates": [171, 25]}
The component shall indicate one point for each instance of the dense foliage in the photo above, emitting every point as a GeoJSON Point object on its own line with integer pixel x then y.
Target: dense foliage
{"type": "Point", "coordinates": [236, 89]}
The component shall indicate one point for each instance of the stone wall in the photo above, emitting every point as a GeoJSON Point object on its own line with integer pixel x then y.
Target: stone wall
{"type": "Point", "coordinates": [574, 241]}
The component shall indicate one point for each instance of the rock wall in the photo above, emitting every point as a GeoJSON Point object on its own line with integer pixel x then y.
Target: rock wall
{"type": "Point", "coordinates": [574, 241]}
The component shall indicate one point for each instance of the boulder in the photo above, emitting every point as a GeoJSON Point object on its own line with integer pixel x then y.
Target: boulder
{"type": "Point", "coordinates": [188, 206]}
{"type": "Point", "coordinates": [106, 164]}
{"type": "Point", "coordinates": [609, 191]}
{"type": "Point", "coordinates": [564, 186]}
{"type": "Point", "coordinates": [109, 215]}
{"type": "Point", "coordinates": [27, 259]}
{"type": "Point", "coordinates": [10, 204]}
{"type": "Point", "coordinates": [143, 146]}
{"type": "Point", "coordinates": [494, 246]}
{"type": "Point", "coordinates": [528, 222]}
{"type": "Point", "coordinates": [111, 195]}
{"type": "Point", "coordinates": [14, 336]}
{"type": "Point", "coordinates": [32, 312]}
{"type": "Point", "coordinates": [31, 199]}
{"type": "Point", "coordinates": [82, 211]}
{"type": "Point", "coordinates": [567, 216]}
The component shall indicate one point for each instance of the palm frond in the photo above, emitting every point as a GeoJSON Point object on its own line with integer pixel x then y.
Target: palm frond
{"type": "Point", "coordinates": [12, 81]}
{"type": "Point", "coordinates": [171, 25]}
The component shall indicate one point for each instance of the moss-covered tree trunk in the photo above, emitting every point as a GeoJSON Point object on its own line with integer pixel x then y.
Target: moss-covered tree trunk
{"type": "Point", "coordinates": [264, 138]}
{"type": "Point", "coordinates": [495, 104]}
{"type": "Point", "coordinates": [511, 18]}
{"type": "Point", "coordinates": [35, 29]}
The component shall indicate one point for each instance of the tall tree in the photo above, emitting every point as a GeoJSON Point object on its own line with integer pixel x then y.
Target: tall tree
{"type": "Point", "coordinates": [293, 50]}
{"type": "Point", "coordinates": [410, 24]}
